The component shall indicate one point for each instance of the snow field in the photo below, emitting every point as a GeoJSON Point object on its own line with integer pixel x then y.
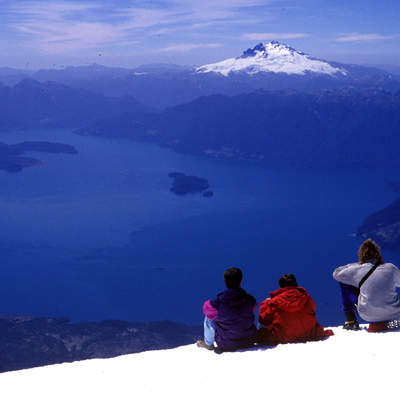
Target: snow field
{"type": "Point", "coordinates": [348, 365]}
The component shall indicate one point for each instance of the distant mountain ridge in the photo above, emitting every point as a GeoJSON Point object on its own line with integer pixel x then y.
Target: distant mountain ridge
{"type": "Point", "coordinates": [31, 104]}
{"type": "Point", "coordinates": [268, 66]}
{"type": "Point", "coordinates": [348, 127]}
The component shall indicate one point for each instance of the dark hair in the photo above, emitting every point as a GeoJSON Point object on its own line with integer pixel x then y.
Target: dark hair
{"type": "Point", "coordinates": [287, 280]}
{"type": "Point", "coordinates": [369, 251]}
{"type": "Point", "coordinates": [233, 277]}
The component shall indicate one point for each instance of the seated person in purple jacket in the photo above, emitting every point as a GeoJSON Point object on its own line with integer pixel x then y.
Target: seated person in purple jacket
{"type": "Point", "coordinates": [229, 318]}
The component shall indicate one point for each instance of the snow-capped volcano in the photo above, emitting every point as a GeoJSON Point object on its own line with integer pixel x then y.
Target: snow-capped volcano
{"type": "Point", "coordinates": [272, 57]}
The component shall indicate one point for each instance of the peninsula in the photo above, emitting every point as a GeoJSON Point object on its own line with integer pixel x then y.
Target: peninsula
{"type": "Point", "coordinates": [13, 159]}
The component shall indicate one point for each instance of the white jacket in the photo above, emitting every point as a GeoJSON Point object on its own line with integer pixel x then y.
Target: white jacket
{"type": "Point", "coordinates": [378, 299]}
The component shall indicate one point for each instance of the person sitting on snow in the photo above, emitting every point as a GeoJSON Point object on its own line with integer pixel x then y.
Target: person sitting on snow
{"type": "Point", "coordinates": [229, 318]}
{"type": "Point", "coordinates": [370, 286]}
{"type": "Point", "coordinates": [289, 315]}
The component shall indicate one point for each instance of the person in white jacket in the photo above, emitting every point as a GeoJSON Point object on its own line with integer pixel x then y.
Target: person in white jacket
{"type": "Point", "coordinates": [370, 286]}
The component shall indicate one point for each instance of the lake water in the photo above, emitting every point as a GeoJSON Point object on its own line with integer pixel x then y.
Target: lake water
{"type": "Point", "coordinates": [98, 235]}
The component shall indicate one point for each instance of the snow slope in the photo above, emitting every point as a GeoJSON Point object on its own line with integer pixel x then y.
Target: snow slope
{"type": "Point", "coordinates": [272, 57]}
{"type": "Point", "coordinates": [349, 365]}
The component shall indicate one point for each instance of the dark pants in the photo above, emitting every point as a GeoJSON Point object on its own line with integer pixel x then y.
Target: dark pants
{"type": "Point", "coordinates": [349, 297]}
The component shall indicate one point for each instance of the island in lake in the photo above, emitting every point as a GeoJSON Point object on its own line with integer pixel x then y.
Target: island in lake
{"type": "Point", "coordinates": [12, 158]}
{"type": "Point", "coordinates": [183, 184]}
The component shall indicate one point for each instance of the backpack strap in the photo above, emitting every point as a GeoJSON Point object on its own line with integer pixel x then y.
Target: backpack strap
{"type": "Point", "coordinates": [368, 274]}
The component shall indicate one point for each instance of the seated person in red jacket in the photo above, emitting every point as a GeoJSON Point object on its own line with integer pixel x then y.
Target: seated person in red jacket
{"type": "Point", "coordinates": [229, 317]}
{"type": "Point", "coordinates": [289, 315]}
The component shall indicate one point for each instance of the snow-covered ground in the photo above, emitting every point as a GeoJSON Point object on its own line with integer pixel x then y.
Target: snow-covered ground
{"type": "Point", "coordinates": [349, 365]}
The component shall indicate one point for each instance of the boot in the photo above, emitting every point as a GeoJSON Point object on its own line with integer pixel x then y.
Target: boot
{"type": "Point", "coordinates": [378, 326]}
{"type": "Point", "coordinates": [204, 345]}
{"type": "Point", "coordinates": [351, 323]}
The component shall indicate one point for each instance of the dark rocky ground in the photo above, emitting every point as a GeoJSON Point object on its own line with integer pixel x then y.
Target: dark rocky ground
{"type": "Point", "coordinates": [27, 341]}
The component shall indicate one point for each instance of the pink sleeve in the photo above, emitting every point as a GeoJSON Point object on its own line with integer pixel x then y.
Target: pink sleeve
{"type": "Point", "coordinates": [209, 311]}
{"type": "Point", "coordinates": [255, 307]}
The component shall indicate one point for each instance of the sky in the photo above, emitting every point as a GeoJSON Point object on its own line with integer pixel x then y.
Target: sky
{"type": "Point", "coordinates": [53, 33]}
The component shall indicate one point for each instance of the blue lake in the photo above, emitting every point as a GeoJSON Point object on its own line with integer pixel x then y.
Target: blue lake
{"type": "Point", "coordinates": [98, 235]}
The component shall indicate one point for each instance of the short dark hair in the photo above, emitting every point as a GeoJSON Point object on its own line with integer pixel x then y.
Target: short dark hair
{"type": "Point", "coordinates": [287, 280]}
{"type": "Point", "coordinates": [233, 277]}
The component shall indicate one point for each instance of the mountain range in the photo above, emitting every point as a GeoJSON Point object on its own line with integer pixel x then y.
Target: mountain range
{"type": "Point", "coordinates": [268, 66]}
{"type": "Point", "coordinates": [347, 127]}
{"type": "Point", "coordinates": [324, 113]}
{"type": "Point", "coordinates": [30, 104]}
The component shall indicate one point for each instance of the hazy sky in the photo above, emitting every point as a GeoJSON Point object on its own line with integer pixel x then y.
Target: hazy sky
{"type": "Point", "coordinates": [43, 33]}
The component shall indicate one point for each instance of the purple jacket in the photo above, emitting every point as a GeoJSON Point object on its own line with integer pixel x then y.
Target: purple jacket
{"type": "Point", "coordinates": [233, 312]}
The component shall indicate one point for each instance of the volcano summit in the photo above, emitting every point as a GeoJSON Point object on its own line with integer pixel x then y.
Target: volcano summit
{"type": "Point", "coordinates": [272, 57]}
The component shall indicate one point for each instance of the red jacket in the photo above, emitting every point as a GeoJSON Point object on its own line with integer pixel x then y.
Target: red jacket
{"type": "Point", "coordinates": [289, 316]}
